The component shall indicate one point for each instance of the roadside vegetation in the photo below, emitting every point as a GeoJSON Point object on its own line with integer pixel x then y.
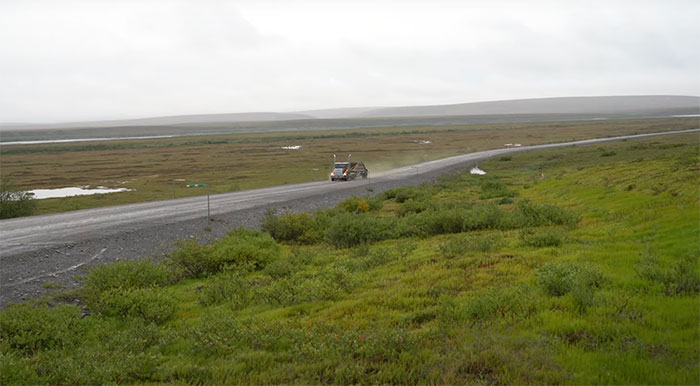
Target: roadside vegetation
{"type": "Point", "coordinates": [14, 202]}
{"type": "Point", "coordinates": [159, 169]}
{"type": "Point", "coordinates": [561, 266]}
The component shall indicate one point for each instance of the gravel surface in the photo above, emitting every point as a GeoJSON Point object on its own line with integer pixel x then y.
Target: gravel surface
{"type": "Point", "coordinates": [41, 253]}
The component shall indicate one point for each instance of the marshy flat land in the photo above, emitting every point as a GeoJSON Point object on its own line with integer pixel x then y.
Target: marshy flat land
{"type": "Point", "coordinates": [575, 265]}
{"type": "Point", "coordinates": [157, 169]}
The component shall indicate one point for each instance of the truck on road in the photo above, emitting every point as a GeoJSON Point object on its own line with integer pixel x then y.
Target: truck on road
{"type": "Point", "coordinates": [346, 171]}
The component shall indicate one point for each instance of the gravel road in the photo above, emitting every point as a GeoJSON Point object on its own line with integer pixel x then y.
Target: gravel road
{"type": "Point", "coordinates": [51, 250]}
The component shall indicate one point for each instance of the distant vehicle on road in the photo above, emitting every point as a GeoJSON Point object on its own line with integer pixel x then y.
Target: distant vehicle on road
{"type": "Point", "coordinates": [346, 171]}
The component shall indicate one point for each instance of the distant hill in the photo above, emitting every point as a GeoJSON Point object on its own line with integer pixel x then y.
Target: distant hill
{"type": "Point", "coordinates": [164, 121]}
{"type": "Point", "coordinates": [345, 112]}
{"type": "Point", "coordinates": [637, 105]}
{"type": "Point", "coordinates": [517, 110]}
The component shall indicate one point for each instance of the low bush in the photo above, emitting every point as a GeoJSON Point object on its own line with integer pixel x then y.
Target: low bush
{"type": "Point", "coordinates": [126, 275]}
{"type": "Point", "coordinates": [486, 216]}
{"type": "Point", "coordinates": [404, 248]}
{"type": "Point", "coordinates": [345, 230]}
{"type": "Point", "coordinates": [30, 329]}
{"type": "Point", "coordinates": [13, 202]}
{"type": "Point", "coordinates": [529, 214]}
{"type": "Point", "coordinates": [436, 222]}
{"type": "Point", "coordinates": [354, 205]}
{"type": "Point", "coordinates": [503, 302]}
{"type": "Point", "coordinates": [244, 247]}
{"type": "Point", "coordinates": [301, 287]}
{"type": "Point", "coordinates": [16, 370]}
{"type": "Point", "coordinates": [493, 188]}
{"type": "Point", "coordinates": [416, 193]}
{"type": "Point", "coordinates": [300, 228]}
{"type": "Point", "coordinates": [505, 200]}
{"type": "Point", "coordinates": [685, 278]}
{"type": "Point", "coordinates": [550, 237]}
{"type": "Point", "coordinates": [412, 207]}
{"type": "Point", "coordinates": [375, 203]}
{"type": "Point", "coordinates": [229, 287]}
{"type": "Point", "coordinates": [192, 260]}
{"type": "Point", "coordinates": [681, 278]}
{"type": "Point", "coordinates": [150, 304]}
{"type": "Point", "coordinates": [558, 279]}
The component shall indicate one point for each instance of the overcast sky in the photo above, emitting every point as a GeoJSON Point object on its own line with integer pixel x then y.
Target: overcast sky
{"type": "Point", "coordinates": [101, 59]}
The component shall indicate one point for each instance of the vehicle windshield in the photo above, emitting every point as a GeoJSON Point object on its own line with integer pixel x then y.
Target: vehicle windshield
{"type": "Point", "coordinates": [341, 165]}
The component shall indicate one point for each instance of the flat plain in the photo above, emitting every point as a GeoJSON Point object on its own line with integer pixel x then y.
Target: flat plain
{"type": "Point", "coordinates": [159, 169]}
{"type": "Point", "coordinates": [576, 265]}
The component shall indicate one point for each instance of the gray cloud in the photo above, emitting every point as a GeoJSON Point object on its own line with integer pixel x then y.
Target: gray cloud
{"type": "Point", "coordinates": [79, 59]}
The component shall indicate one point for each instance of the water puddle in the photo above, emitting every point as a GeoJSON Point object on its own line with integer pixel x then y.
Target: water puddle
{"type": "Point", "coordinates": [40, 194]}
{"type": "Point", "coordinates": [48, 141]}
{"type": "Point", "coordinates": [476, 170]}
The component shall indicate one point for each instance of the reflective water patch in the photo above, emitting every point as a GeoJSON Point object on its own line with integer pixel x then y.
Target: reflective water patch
{"type": "Point", "coordinates": [73, 191]}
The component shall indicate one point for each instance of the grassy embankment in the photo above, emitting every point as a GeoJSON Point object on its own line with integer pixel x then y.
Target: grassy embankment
{"type": "Point", "coordinates": [159, 169]}
{"type": "Point", "coordinates": [575, 265]}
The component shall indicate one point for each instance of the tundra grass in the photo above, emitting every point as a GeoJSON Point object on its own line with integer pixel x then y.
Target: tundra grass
{"type": "Point", "coordinates": [159, 169]}
{"type": "Point", "coordinates": [613, 301]}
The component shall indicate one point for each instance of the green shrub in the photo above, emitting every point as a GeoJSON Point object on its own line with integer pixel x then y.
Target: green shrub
{"type": "Point", "coordinates": [281, 268]}
{"type": "Point", "coordinates": [114, 351]}
{"type": "Point", "coordinates": [681, 278]}
{"type": "Point", "coordinates": [583, 295]}
{"type": "Point", "coordinates": [125, 275]}
{"type": "Point", "coordinates": [650, 268]}
{"type": "Point", "coordinates": [436, 222]}
{"type": "Point", "coordinates": [346, 230]}
{"type": "Point", "coordinates": [364, 258]}
{"type": "Point", "coordinates": [416, 193]}
{"type": "Point", "coordinates": [354, 205]}
{"type": "Point", "coordinates": [303, 287]}
{"type": "Point", "coordinates": [87, 365]}
{"type": "Point", "coordinates": [404, 248]}
{"type": "Point", "coordinates": [492, 188]}
{"type": "Point", "coordinates": [558, 279]}
{"type": "Point", "coordinates": [412, 207]}
{"type": "Point", "coordinates": [487, 216]}
{"type": "Point", "coordinates": [503, 302]}
{"type": "Point", "coordinates": [192, 260]}
{"type": "Point", "coordinates": [458, 246]}
{"type": "Point", "coordinates": [453, 247]}
{"type": "Point", "coordinates": [685, 278]}
{"type": "Point", "coordinates": [375, 203]}
{"type": "Point", "coordinates": [150, 304]}
{"type": "Point", "coordinates": [539, 238]}
{"type": "Point", "coordinates": [301, 228]}
{"type": "Point", "coordinates": [229, 287]}
{"type": "Point", "coordinates": [529, 214]}
{"type": "Point", "coordinates": [30, 329]}
{"type": "Point", "coordinates": [15, 370]}
{"type": "Point", "coordinates": [505, 200]}
{"type": "Point", "coordinates": [13, 202]}
{"type": "Point", "coordinates": [245, 247]}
